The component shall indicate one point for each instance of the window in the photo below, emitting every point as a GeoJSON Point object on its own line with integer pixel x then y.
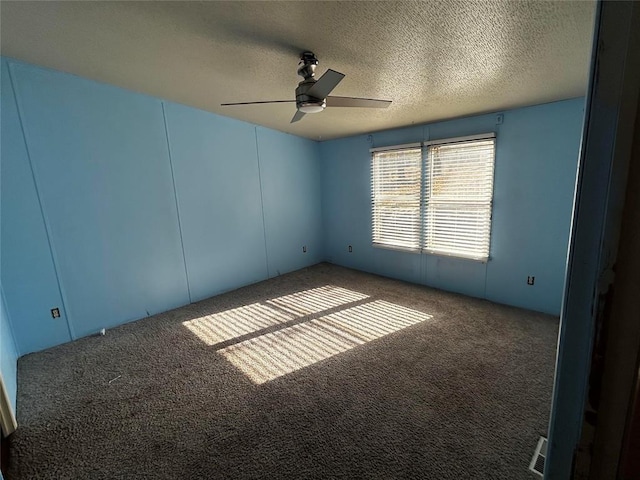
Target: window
{"type": "Point", "coordinates": [441, 204]}
{"type": "Point", "coordinates": [396, 191]}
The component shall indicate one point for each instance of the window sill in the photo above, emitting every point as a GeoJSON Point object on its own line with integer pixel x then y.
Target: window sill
{"type": "Point", "coordinates": [396, 248]}
{"type": "Point", "coordinates": [457, 256]}
{"type": "Point", "coordinates": [431, 253]}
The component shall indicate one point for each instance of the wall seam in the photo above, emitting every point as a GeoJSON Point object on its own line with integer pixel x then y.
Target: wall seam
{"type": "Point", "coordinates": [175, 197]}
{"type": "Point", "coordinates": [264, 224]}
{"type": "Point", "coordinates": [45, 220]}
{"type": "Point", "coordinates": [318, 159]}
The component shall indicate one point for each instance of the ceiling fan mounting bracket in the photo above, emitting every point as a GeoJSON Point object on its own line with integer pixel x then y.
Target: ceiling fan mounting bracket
{"type": "Point", "coordinates": [307, 65]}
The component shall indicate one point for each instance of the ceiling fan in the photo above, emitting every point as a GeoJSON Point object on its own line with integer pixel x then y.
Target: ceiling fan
{"type": "Point", "coordinates": [312, 96]}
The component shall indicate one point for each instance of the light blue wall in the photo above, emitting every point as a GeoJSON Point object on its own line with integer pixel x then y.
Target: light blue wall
{"type": "Point", "coordinates": [8, 354]}
{"type": "Point", "coordinates": [215, 163]}
{"type": "Point", "coordinates": [28, 274]}
{"type": "Point", "coordinates": [102, 171]}
{"type": "Point", "coordinates": [536, 157]}
{"type": "Point", "coordinates": [535, 179]}
{"type": "Point", "coordinates": [122, 205]}
{"type": "Point", "coordinates": [290, 171]}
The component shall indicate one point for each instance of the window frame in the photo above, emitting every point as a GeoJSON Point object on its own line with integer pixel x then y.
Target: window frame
{"type": "Point", "coordinates": [425, 176]}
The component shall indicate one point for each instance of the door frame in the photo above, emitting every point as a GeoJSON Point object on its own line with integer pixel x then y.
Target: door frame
{"type": "Point", "coordinates": [603, 167]}
{"type": "Point", "coordinates": [8, 422]}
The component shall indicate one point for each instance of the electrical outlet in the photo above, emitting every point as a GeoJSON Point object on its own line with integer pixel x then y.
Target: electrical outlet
{"type": "Point", "coordinates": [55, 312]}
{"type": "Point", "coordinates": [350, 249]}
{"type": "Point", "coordinates": [531, 280]}
{"type": "Point", "coordinates": [304, 249]}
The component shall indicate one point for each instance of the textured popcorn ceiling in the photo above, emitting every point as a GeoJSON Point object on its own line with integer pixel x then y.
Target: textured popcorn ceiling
{"type": "Point", "coordinates": [435, 60]}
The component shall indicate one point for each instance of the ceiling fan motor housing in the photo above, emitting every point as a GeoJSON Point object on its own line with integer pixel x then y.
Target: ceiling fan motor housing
{"type": "Point", "coordinates": [306, 69]}
{"type": "Point", "coordinates": [306, 103]}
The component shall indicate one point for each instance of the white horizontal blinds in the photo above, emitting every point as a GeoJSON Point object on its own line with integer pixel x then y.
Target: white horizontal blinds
{"type": "Point", "coordinates": [459, 189]}
{"type": "Point", "coordinates": [395, 192]}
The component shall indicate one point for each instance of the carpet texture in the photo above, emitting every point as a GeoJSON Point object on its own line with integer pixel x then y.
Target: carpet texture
{"type": "Point", "coordinates": [322, 373]}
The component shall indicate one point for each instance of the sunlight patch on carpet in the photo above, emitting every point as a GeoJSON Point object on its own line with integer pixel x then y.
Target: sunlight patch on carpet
{"type": "Point", "coordinates": [278, 353]}
{"type": "Point", "coordinates": [316, 300]}
{"type": "Point", "coordinates": [230, 324]}
{"type": "Point", "coordinates": [237, 322]}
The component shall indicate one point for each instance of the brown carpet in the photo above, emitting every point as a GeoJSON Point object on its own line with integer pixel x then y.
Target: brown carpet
{"type": "Point", "coordinates": [321, 373]}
